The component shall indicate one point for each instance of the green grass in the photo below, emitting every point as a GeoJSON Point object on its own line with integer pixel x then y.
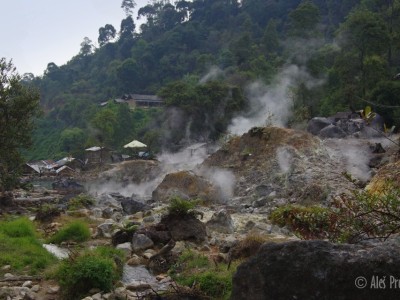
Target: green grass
{"type": "Point", "coordinates": [76, 231]}
{"type": "Point", "coordinates": [21, 248]}
{"type": "Point", "coordinates": [211, 280]}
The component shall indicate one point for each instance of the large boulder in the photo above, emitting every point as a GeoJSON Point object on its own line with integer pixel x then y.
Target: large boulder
{"type": "Point", "coordinates": [320, 270]}
{"type": "Point", "coordinates": [185, 227]}
{"type": "Point", "coordinates": [186, 184]}
{"type": "Point", "coordinates": [332, 131]}
{"type": "Point", "coordinates": [131, 206]}
{"type": "Point", "coordinates": [221, 221]}
{"type": "Point", "coordinates": [315, 125]}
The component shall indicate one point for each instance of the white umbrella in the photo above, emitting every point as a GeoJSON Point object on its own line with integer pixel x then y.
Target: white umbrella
{"type": "Point", "coordinates": [135, 144]}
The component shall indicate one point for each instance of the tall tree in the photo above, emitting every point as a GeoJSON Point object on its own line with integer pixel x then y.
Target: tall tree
{"type": "Point", "coordinates": [86, 46]}
{"type": "Point", "coordinates": [106, 34]}
{"type": "Point", "coordinates": [128, 6]}
{"type": "Point", "coordinates": [18, 106]}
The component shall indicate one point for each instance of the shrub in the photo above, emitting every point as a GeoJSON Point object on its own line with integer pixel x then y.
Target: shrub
{"type": "Point", "coordinates": [247, 247]}
{"type": "Point", "coordinates": [76, 231]}
{"type": "Point", "coordinates": [308, 222]}
{"type": "Point", "coordinates": [351, 218]}
{"type": "Point", "coordinates": [179, 206]}
{"type": "Point", "coordinates": [91, 269]}
{"type": "Point", "coordinates": [80, 201]}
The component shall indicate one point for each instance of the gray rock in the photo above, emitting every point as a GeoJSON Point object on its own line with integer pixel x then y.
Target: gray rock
{"type": "Point", "coordinates": [126, 248]}
{"type": "Point", "coordinates": [186, 227]}
{"type": "Point", "coordinates": [318, 270]}
{"type": "Point", "coordinates": [315, 125]}
{"type": "Point", "coordinates": [332, 131]}
{"type": "Point", "coordinates": [131, 206]}
{"type": "Point", "coordinates": [106, 229]}
{"type": "Point", "coordinates": [221, 221]}
{"type": "Point", "coordinates": [141, 242]}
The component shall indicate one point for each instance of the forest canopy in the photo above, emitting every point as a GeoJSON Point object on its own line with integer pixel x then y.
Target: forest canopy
{"type": "Point", "coordinates": [202, 55]}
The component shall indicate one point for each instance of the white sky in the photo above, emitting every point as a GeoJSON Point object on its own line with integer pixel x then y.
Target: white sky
{"type": "Point", "coordinates": [36, 32]}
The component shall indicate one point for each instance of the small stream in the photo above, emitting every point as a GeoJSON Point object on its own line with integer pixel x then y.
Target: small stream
{"type": "Point", "coordinates": [60, 253]}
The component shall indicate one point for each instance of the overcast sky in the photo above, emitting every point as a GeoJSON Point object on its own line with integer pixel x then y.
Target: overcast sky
{"type": "Point", "coordinates": [36, 32]}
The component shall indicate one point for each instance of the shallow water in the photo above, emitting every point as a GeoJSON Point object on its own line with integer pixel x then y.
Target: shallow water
{"type": "Point", "coordinates": [60, 253]}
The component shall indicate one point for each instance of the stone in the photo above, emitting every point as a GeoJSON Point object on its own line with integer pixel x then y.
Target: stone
{"type": "Point", "coordinates": [6, 268]}
{"type": "Point", "coordinates": [53, 289]}
{"type": "Point", "coordinates": [141, 242]}
{"type": "Point", "coordinates": [106, 229]}
{"type": "Point", "coordinates": [134, 260]}
{"type": "Point", "coordinates": [138, 285]}
{"type": "Point", "coordinates": [315, 125]}
{"type": "Point", "coordinates": [186, 185]}
{"type": "Point", "coordinates": [318, 270]}
{"type": "Point", "coordinates": [35, 288]}
{"type": "Point", "coordinates": [27, 283]}
{"type": "Point", "coordinates": [97, 296]}
{"type": "Point", "coordinates": [221, 221]}
{"type": "Point", "coordinates": [125, 247]}
{"type": "Point", "coordinates": [149, 219]}
{"type": "Point", "coordinates": [149, 253]}
{"type": "Point", "coordinates": [186, 227]}
{"type": "Point", "coordinates": [332, 131]}
{"type": "Point", "coordinates": [131, 206]}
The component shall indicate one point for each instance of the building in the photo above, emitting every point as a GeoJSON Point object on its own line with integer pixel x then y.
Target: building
{"type": "Point", "coordinates": [145, 101]}
{"type": "Point", "coordinates": [97, 155]}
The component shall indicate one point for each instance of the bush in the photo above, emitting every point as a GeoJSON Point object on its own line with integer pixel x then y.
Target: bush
{"type": "Point", "coordinates": [247, 247]}
{"type": "Point", "coordinates": [313, 222]}
{"type": "Point", "coordinates": [180, 207]}
{"type": "Point", "coordinates": [20, 247]}
{"type": "Point", "coordinates": [80, 201]}
{"type": "Point", "coordinates": [76, 232]}
{"type": "Point", "coordinates": [92, 269]}
{"type": "Point", "coordinates": [351, 218]}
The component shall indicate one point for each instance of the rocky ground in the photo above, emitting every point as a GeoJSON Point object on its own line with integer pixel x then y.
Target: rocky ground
{"type": "Point", "coordinates": [238, 186]}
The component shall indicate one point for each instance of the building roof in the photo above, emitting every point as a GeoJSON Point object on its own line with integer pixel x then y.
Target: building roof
{"type": "Point", "coordinates": [135, 144]}
{"type": "Point", "coordinates": [64, 168]}
{"type": "Point", "coordinates": [94, 149]}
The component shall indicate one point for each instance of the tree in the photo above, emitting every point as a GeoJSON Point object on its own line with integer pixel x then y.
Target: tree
{"type": "Point", "coordinates": [128, 6]}
{"type": "Point", "coordinates": [304, 19]}
{"type": "Point", "coordinates": [18, 107]}
{"type": "Point", "coordinates": [364, 33]}
{"type": "Point", "coordinates": [86, 46]}
{"type": "Point", "coordinates": [127, 28]}
{"type": "Point", "coordinates": [72, 140]}
{"type": "Point", "coordinates": [106, 34]}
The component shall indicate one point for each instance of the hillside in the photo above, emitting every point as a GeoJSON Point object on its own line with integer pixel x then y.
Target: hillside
{"type": "Point", "coordinates": [205, 58]}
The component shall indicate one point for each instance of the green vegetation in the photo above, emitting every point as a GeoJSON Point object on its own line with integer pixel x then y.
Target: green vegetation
{"type": "Point", "coordinates": [193, 269]}
{"type": "Point", "coordinates": [179, 206]}
{"type": "Point", "coordinates": [21, 248]}
{"type": "Point", "coordinates": [80, 201]}
{"type": "Point", "coordinates": [91, 269]}
{"type": "Point", "coordinates": [201, 55]}
{"type": "Point", "coordinates": [364, 215]}
{"type": "Point", "coordinates": [18, 106]}
{"type": "Point", "coordinates": [75, 231]}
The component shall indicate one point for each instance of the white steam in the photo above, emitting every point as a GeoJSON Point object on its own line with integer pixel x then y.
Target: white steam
{"type": "Point", "coordinates": [224, 180]}
{"type": "Point", "coordinates": [284, 158]}
{"type": "Point", "coordinates": [272, 105]}
{"type": "Point", "coordinates": [214, 73]}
